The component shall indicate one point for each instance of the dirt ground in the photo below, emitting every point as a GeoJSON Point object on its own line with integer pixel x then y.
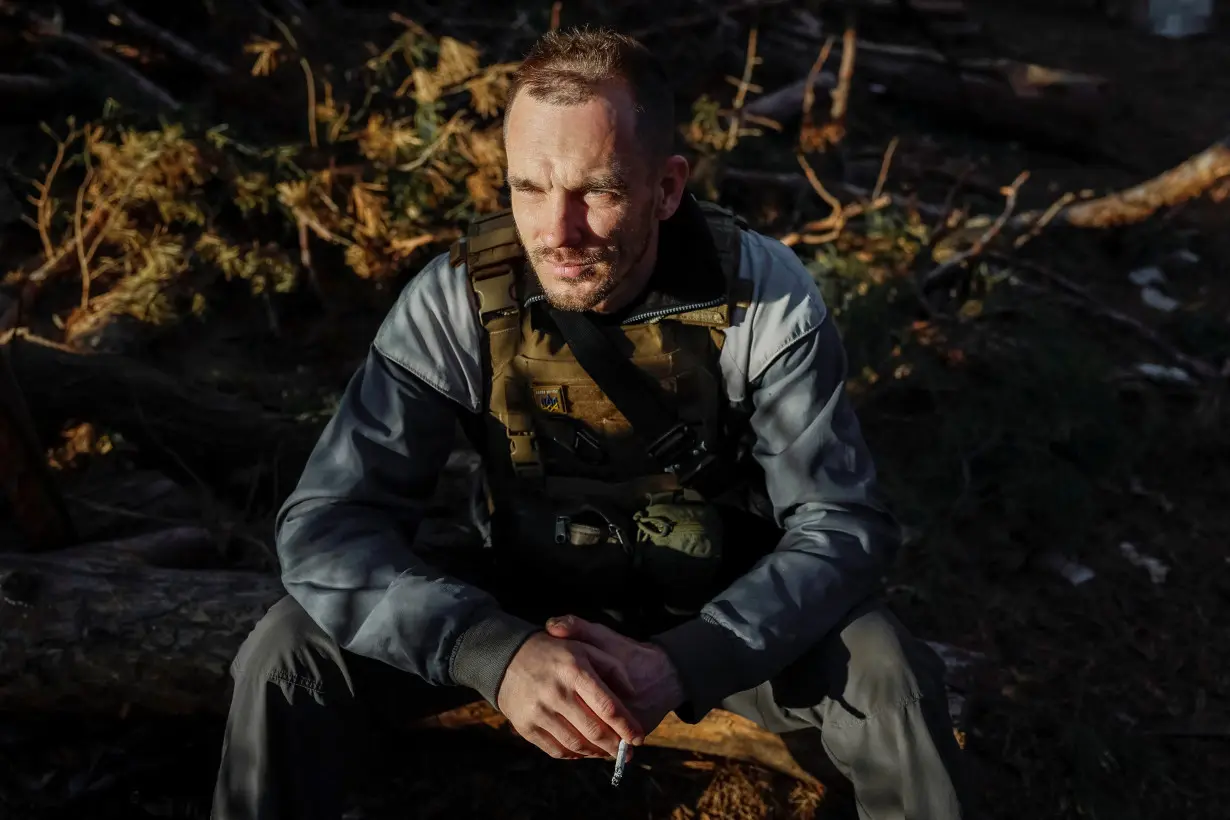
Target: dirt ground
{"type": "Point", "coordinates": [1107, 700]}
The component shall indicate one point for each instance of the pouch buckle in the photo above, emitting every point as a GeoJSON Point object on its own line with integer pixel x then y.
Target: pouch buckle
{"type": "Point", "coordinates": [682, 453]}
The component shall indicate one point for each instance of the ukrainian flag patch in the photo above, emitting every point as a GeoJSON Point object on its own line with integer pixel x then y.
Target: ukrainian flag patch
{"type": "Point", "coordinates": [550, 399]}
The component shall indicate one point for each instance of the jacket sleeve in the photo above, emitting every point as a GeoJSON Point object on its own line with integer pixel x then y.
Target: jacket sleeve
{"type": "Point", "coordinates": [838, 538]}
{"type": "Point", "coordinates": [344, 538]}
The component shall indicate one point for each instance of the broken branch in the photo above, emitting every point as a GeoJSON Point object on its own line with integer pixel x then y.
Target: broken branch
{"type": "Point", "coordinates": [943, 271]}
{"type": "Point", "coordinates": [52, 32]}
{"type": "Point", "coordinates": [1181, 183]}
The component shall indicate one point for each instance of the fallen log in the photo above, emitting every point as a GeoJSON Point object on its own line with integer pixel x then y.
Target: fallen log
{"type": "Point", "coordinates": [149, 621]}
{"type": "Point", "coordinates": [720, 734]}
{"type": "Point", "coordinates": [176, 425]}
{"type": "Point", "coordinates": [153, 622]}
{"type": "Point", "coordinates": [1027, 100]}
{"type": "Point", "coordinates": [1190, 179]}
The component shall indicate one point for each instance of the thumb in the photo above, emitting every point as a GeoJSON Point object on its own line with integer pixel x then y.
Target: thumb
{"type": "Point", "coordinates": [579, 629]}
{"type": "Point", "coordinates": [562, 626]}
{"type": "Point", "coordinates": [570, 626]}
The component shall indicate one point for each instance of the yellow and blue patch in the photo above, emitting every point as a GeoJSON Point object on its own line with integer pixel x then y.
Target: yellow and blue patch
{"type": "Point", "coordinates": [550, 399]}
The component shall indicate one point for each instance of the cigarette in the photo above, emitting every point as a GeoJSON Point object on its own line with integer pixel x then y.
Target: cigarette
{"type": "Point", "coordinates": [620, 759]}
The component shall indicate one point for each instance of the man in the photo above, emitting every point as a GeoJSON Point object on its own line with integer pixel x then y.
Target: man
{"type": "Point", "coordinates": [705, 521]}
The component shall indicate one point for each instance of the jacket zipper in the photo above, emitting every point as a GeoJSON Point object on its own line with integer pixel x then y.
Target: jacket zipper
{"type": "Point", "coordinates": [653, 314]}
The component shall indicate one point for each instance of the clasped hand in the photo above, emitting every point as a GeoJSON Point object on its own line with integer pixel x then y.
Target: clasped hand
{"type": "Point", "coordinates": [577, 689]}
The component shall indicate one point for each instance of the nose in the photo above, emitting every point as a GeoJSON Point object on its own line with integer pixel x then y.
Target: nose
{"type": "Point", "coordinates": [565, 221]}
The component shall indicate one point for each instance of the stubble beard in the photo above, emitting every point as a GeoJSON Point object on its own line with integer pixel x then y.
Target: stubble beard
{"type": "Point", "coordinates": [605, 268]}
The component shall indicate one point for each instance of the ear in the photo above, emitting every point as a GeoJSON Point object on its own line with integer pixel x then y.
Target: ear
{"type": "Point", "coordinates": [672, 186]}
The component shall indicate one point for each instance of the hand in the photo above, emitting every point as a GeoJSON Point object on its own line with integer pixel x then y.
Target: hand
{"type": "Point", "coordinates": [653, 688]}
{"type": "Point", "coordinates": [555, 694]}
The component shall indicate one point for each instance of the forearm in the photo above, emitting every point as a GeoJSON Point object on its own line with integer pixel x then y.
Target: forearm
{"type": "Point", "coordinates": [345, 537]}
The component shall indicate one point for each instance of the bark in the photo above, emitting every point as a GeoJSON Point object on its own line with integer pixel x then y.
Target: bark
{"type": "Point", "coordinates": [1181, 183]}
{"type": "Point", "coordinates": [99, 627]}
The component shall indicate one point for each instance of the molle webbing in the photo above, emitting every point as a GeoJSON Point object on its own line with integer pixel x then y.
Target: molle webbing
{"type": "Point", "coordinates": [535, 387]}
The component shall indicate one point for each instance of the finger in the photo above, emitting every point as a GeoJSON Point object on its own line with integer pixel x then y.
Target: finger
{"type": "Point", "coordinates": [593, 728]}
{"type": "Point", "coordinates": [612, 672]}
{"type": "Point", "coordinates": [546, 741]}
{"type": "Point", "coordinates": [609, 708]}
{"type": "Point", "coordinates": [571, 738]}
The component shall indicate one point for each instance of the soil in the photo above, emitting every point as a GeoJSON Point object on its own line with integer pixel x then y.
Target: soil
{"type": "Point", "coordinates": [1110, 699]}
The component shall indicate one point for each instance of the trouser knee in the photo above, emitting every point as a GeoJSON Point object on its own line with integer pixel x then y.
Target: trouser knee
{"type": "Point", "coordinates": [887, 667]}
{"type": "Point", "coordinates": [869, 664]}
{"type": "Point", "coordinates": [288, 650]}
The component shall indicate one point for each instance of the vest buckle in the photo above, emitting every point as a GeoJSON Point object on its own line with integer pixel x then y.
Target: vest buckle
{"type": "Point", "coordinates": [682, 453]}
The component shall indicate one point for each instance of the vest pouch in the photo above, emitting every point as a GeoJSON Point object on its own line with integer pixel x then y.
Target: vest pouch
{"type": "Point", "coordinates": [571, 550]}
{"type": "Point", "coordinates": [678, 550]}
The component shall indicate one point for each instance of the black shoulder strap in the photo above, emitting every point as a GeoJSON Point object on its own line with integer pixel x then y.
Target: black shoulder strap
{"type": "Point", "coordinates": [673, 445]}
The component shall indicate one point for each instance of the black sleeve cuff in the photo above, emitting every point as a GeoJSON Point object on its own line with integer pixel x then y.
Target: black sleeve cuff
{"type": "Point", "coordinates": [712, 664]}
{"type": "Point", "coordinates": [484, 651]}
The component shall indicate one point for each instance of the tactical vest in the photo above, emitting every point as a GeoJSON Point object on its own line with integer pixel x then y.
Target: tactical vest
{"type": "Point", "coordinates": [574, 496]}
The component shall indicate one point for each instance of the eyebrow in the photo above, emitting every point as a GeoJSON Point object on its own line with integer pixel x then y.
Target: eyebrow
{"type": "Point", "coordinates": [607, 180]}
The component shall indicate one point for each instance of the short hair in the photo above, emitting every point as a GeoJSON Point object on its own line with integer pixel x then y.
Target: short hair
{"type": "Point", "coordinates": [570, 67]}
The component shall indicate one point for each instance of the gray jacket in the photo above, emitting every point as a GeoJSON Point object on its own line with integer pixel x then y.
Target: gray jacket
{"type": "Point", "coordinates": [345, 535]}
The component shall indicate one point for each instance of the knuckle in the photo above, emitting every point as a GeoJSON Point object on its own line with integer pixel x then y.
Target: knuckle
{"type": "Point", "coordinates": [605, 708]}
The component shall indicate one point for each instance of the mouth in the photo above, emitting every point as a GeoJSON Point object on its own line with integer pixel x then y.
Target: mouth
{"type": "Point", "coordinates": [569, 270]}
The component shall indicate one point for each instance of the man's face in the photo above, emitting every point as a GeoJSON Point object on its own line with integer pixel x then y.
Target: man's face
{"type": "Point", "coordinates": [585, 198]}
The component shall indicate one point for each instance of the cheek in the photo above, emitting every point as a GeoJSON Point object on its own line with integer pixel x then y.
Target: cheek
{"type": "Point", "coordinates": [527, 216]}
{"type": "Point", "coordinates": [609, 221]}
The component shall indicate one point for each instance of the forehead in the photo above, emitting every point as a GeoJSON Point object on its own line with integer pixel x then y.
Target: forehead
{"type": "Point", "coordinates": [546, 138]}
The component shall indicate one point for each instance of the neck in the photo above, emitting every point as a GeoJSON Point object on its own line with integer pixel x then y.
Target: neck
{"type": "Point", "coordinates": [631, 285]}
